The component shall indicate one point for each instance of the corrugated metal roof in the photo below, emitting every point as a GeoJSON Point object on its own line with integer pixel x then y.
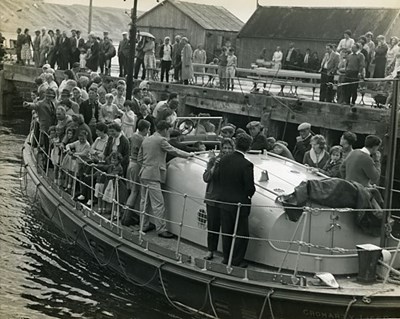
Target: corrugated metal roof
{"type": "Point", "coordinates": [317, 23]}
{"type": "Point", "coordinates": [210, 17]}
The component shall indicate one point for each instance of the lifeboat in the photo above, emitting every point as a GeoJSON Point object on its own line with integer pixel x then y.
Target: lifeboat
{"type": "Point", "coordinates": [318, 266]}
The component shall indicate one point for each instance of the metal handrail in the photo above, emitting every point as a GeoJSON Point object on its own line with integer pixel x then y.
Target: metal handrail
{"type": "Point", "coordinates": [117, 205]}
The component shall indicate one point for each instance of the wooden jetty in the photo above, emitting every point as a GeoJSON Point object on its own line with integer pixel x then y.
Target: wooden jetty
{"type": "Point", "coordinates": [278, 113]}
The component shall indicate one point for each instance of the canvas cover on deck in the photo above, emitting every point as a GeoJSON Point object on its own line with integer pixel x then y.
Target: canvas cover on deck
{"type": "Point", "coordinates": [337, 193]}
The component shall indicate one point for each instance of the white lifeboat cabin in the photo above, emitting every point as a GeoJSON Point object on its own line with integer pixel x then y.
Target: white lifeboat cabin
{"type": "Point", "coordinates": [329, 237]}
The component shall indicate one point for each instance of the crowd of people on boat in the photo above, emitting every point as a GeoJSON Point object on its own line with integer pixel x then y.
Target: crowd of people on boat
{"type": "Point", "coordinates": [92, 135]}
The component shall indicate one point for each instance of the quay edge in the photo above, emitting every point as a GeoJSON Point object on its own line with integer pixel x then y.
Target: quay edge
{"type": "Point", "coordinates": [276, 112]}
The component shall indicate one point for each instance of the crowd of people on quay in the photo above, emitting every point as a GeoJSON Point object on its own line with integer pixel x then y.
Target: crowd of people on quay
{"type": "Point", "coordinates": [66, 50]}
{"type": "Point", "coordinates": [89, 128]}
{"type": "Point", "coordinates": [351, 60]}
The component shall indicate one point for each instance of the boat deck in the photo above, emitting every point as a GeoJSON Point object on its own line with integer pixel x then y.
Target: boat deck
{"type": "Point", "coordinates": [258, 273]}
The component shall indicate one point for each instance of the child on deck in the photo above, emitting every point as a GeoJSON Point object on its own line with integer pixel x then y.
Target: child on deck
{"type": "Point", "coordinates": [82, 60]}
{"type": "Point", "coordinates": [107, 182]}
{"type": "Point", "coordinates": [332, 167]}
{"type": "Point", "coordinates": [56, 151]}
{"type": "Point", "coordinates": [128, 120]}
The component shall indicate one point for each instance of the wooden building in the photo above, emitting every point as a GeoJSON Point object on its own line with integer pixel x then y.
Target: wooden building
{"type": "Point", "coordinates": [211, 26]}
{"type": "Point", "coordinates": [311, 28]}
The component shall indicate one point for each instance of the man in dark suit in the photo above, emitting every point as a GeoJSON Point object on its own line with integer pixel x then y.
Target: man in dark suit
{"type": "Point", "coordinates": [236, 177]}
{"type": "Point", "coordinates": [123, 54]}
{"type": "Point", "coordinates": [90, 111]}
{"type": "Point", "coordinates": [73, 42]}
{"type": "Point", "coordinates": [64, 52]}
{"type": "Point", "coordinates": [290, 62]}
{"type": "Point", "coordinates": [329, 66]}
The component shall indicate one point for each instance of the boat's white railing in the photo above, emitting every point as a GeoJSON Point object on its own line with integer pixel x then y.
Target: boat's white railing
{"type": "Point", "coordinates": [117, 206]}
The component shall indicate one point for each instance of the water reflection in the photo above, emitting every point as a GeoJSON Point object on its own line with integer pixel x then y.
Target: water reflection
{"type": "Point", "coordinates": [42, 275]}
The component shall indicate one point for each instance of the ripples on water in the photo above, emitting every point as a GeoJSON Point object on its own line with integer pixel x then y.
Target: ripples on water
{"type": "Point", "coordinates": [43, 276]}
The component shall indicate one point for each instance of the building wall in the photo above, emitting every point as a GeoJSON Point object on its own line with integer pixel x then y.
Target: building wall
{"type": "Point", "coordinates": [249, 49]}
{"type": "Point", "coordinates": [167, 20]}
{"type": "Point", "coordinates": [394, 30]}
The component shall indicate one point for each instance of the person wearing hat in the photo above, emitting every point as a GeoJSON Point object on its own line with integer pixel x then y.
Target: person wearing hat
{"type": "Point", "coordinates": [123, 55]}
{"type": "Point", "coordinates": [45, 43]}
{"type": "Point", "coordinates": [65, 99]}
{"type": "Point", "coordinates": [46, 111]}
{"type": "Point", "coordinates": [227, 131]}
{"type": "Point", "coordinates": [92, 59]}
{"type": "Point", "coordinates": [175, 139]}
{"type": "Point", "coordinates": [281, 149]}
{"type": "Point", "coordinates": [36, 49]}
{"type": "Point", "coordinates": [259, 139]}
{"type": "Point", "coordinates": [140, 60]}
{"type": "Point", "coordinates": [303, 142]}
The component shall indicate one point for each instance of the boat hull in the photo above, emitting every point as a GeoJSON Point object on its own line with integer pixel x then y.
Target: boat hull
{"type": "Point", "coordinates": [191, 283]}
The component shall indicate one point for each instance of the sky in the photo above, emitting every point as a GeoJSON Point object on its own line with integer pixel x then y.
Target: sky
{"type": "Point", "coordinates": [243, 9]}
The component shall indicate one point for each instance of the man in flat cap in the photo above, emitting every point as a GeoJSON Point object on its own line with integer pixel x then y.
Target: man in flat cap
{"type": "Point", "coordinates": [227, 131]}
{"type": "Point", "coordinates": [259, 139]}
{"type": "Point", "coordinates": [123, 54]}
{"type": "Point", "coordinates": [302, 141]}
{"type": "Point", "coordinates": [46, 111]}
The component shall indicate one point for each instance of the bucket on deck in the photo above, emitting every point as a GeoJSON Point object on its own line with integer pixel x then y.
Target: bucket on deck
{"type": "Point", "coordinates": [368, 256]}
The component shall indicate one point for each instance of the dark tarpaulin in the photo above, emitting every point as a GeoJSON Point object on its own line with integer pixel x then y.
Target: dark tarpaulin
{"type": "Point", "coordinates": [337, 193]}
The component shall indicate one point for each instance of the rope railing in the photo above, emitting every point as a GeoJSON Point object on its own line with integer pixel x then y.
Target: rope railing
{"type": "Point", "coordinates": [116, 206]}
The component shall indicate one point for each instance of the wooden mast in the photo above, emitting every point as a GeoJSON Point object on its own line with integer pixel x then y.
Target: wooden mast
{"type": "Point", "coordinates": [391, 158]}
{"type": "Point", "coordinates": [132, 49]}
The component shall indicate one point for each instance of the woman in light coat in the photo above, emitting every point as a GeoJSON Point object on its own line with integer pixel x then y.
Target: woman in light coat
{"type": "Point", "coordinates": [187, 64]}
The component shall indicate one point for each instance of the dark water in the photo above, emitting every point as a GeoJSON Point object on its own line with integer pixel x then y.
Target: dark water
{"type": "Point", "coordinates": [41, 275]}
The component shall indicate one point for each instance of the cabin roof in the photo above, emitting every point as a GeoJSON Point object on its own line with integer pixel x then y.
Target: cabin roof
{"type": "Point", "coordinates": [317, 23]}
{"type": "Point", "coordinates": [208, 17]}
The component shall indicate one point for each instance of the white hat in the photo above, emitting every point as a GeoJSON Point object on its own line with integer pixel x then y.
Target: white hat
{"type": "Point", "coordinates": [124, 33]}
{"type": "Point", "coordinates": [304, 126]}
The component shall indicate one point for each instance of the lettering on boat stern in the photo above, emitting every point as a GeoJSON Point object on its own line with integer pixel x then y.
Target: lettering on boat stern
{"type": "Point", "coordinates": [332, 315]}
{"type": "Point", "coordinates": [202, 218]}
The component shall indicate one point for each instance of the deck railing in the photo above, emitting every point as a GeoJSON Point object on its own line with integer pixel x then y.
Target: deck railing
{"type": "Point", "coordinates": [117, 206]}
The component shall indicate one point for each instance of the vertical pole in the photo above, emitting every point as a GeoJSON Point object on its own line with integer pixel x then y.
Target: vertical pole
{"type": "Point", "coordinates": [301, 240]}
{"type": "Point", "coordinates": [90, 15]}
{"type": "Point", "coordinates": [117, 197]}
{"type": "Point", "coordinates": [390, 162]}
{"type": "Point", "coordinates": [234, 235]}
{"type": "Point", "coordinates": [91, 188]}
{"type": "Point", "coordinates": [181, 226]}
{"type": "Point", "coordinates": [143, 212]}
{"type": "Point", "coordinates": [132, 49]}
{"type": "Point", "coordinates": [48, 158]}
{"type": "Point", "coordinates": [113, 203]}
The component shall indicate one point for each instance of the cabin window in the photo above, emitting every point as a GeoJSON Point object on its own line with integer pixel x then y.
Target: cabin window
{"type": "Point", "coordinates": [202, 218]}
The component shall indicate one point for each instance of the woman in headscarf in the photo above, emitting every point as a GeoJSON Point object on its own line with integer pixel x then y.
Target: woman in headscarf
{"type": "Point", "coordinates": [26, 55]}
{"type": "Point", "coordinates": [281, 149]}
{"type": "Point", "coordinates": [212, 194]}
{"type": "Point", "coordinates": [317, 156]}
{"type": "Point", "coordinates": [380, 57]}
